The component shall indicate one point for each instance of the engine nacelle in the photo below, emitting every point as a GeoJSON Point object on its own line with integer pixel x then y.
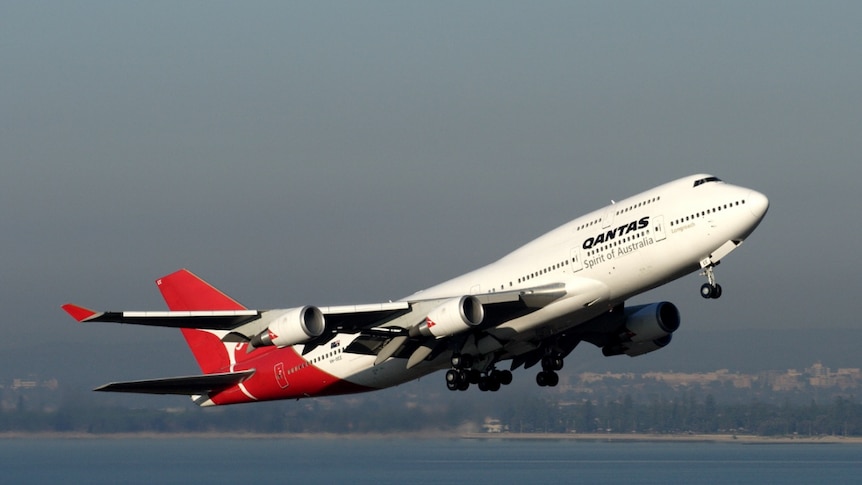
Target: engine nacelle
{"type": "Point", "coordinates": [634, 349]}
{"type": "Point", "coordinates": [450, 318]}
{"type": "Point", "coordinates": [647, 323]}
{"type": "Point", "coordinates": [291, 327]}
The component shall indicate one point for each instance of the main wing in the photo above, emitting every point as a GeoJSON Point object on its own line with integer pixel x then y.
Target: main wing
{"type": "Point", "coordinates": [416, 330]}
{"type": "Point", "coordinates": [379, 320]}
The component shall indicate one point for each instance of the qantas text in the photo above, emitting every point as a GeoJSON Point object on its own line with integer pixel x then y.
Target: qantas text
{"type": "Point", "coordinates": [619, 231]}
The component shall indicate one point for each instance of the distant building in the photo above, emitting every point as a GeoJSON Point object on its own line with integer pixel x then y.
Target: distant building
{"type": "Point", "coordinates": [24, 384]}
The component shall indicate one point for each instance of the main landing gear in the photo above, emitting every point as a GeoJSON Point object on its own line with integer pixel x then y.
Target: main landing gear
{"type": "Point", "coordinates": [711, 289]}
{"type": "Point", "coordinates": [550, 364]}
{"type": "Point", "coordinates": [461, 375]}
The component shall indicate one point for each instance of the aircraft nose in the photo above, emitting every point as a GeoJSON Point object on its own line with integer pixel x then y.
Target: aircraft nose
{"type": "Point", "coordinates": [757, 203]}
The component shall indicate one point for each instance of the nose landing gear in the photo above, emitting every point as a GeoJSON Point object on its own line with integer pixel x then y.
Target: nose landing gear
{"type": "Point", "coordinates": [711, 289]}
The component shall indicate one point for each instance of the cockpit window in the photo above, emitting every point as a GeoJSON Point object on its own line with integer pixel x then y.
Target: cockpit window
{"type": "Point", "coordinates": [706, 180]}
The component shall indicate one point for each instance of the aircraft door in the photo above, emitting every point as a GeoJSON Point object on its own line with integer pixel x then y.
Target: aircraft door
{"type": "Point", "coordinates": [659, 229]}
{"type": "Point", "coordinates": [280, 377]}
{"type": "Point", "coordinates": [608, 219]}
{"type": "Point", "coordinates": [575, 260]}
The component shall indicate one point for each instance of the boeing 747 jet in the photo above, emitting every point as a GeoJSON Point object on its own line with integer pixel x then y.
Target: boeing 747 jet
{"type": "Point", "coordinates": [532, 306]}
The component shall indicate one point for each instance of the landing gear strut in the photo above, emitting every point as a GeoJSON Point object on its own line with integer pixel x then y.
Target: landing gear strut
{"type": "Point", "coordinates": [550, 364]}
{"type": "Point", "coordinates": [711, 289]}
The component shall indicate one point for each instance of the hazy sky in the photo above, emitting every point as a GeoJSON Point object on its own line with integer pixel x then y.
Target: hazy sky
{"type": "Point", "coordinates": [352, 152]}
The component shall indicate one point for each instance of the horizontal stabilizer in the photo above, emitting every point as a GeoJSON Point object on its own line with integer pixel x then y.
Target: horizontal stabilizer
{"type": "Point", "coordinates": [187, 386]}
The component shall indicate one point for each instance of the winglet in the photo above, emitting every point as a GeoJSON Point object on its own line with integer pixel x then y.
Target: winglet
{"type": "Point", "coordinates": [79, 313]}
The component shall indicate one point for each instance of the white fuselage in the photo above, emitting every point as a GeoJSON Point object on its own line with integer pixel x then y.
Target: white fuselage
{"type": "Point", "coordinates": [602, 258]}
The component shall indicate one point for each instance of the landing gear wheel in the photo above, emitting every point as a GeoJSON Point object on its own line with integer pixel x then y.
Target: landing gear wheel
{"type": "Point", "coordinates": [547, 379]}
{"type": "Point", "coordinates": [453, 381]}
{"type": "Point", "coordinates": [552, 362]}
{"type": "Point", "coordinates": [710, 291]}
{"type": "Point", "coordinates": [462, 361]}
{"type": "Point", "coordinates": [456, 380]}
{"type": "Point", "coordinates": [452, 375]}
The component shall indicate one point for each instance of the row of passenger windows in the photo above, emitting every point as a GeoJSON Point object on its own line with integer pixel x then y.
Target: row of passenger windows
{"type": "Point", "coordinates": [315, 360]}
{"type": "Point", "coordinates": [584, 226]}
{"type": "Point", "coordinates": [638, 205]}
{"type": "Point", "coordinates": [591, 223]}
{"type": "Point", "coordinates": [530, 276]}
{"type": "Point", "coordinates": [542, 271]}
{"type": "Point", "coordinates": [698, 215]}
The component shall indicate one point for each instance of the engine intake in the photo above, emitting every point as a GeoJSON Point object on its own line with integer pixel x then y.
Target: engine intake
{"type": "Point", "coordinates": [650, 322]}
{"type": "Point", "coordinates": [291, 327]}
{"type": "Point", "coordinates": [647, 328]}
{"type": "Point", "coordinates": [452, 317]}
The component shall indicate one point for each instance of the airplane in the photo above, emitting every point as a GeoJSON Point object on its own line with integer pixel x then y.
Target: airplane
{"type": "Point", "coordinates": [532, 306]}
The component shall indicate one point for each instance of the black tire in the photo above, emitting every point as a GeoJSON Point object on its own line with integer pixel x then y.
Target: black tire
{"type": "Point", "coordinates": [505, 377]}
{"type": "Point", "coordinates": [553, 379]}
{"type": "Point", "coordinates": [706, 290]}
{"type": "Point", "coordinates": [453, 376]}
{"type": "Point", "coordinates": [542, 379]}
{"type": "Point", "coordinates": [716, 292]}
{"type": "Point", "coordinates": [558, 363]}
{"type": "Point", "coordinates": [461, 361]}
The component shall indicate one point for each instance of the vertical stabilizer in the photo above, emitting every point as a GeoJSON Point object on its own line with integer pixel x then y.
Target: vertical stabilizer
{"type": "Point", "coordinates": [185, 291]}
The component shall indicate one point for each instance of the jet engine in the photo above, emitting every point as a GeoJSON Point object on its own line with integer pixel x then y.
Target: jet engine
{"type": "Point", "coordinates": [647, 328]}
{"type": "Point", "coordinates": [634, 349]}
{"type": "Point", "coordinates": [452, 317]}
{"type": "Point", "coordinates": [291, 327]}
{"type": "Point", "coordinates": [650, 322]}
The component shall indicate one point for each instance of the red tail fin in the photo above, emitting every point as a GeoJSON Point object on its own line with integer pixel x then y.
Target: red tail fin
{"type": "Point", "coordinates": [185, 291]}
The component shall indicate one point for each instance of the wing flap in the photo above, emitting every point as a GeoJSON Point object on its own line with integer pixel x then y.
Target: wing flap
{"type": "Point", "coordinates": [187, 385]}
{"type": "Point", "coordinates": [353, 318]}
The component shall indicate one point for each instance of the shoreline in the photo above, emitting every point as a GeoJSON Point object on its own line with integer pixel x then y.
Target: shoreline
{"type": "Point", "coordinates": [604, 437]}
{"type": "Point", "coordinates": [668, 438]}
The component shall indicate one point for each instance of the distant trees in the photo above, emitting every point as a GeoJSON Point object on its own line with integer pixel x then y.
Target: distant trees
{"type": "Point", "coordinates": [522, 413]}
{"type": "Point", "coordinates": [843, 416]}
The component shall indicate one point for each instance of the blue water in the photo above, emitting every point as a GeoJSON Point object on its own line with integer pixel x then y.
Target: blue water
{"type": "Point", "coordinates": [373, 461]}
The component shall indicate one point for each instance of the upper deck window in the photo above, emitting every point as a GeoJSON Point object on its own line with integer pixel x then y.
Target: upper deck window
{"type": "Point", "coordinates": [706, 180]}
